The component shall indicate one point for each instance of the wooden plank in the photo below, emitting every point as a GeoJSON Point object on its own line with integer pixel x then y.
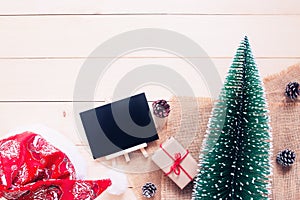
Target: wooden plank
{"type": "Point", "coordinates": [78, 36]}
{"type": "Point", "coordinates": [58, 116]}
{"type": "Point", "coordinates": [62, 117]}
{"type": "Point", "coordinates": [34, 7]}
{"type": "Point", "coordinates": [55, 79]}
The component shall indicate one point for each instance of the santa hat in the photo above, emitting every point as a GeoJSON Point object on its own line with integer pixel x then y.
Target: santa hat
{"type": "Point", "coordinates": [32, 168]}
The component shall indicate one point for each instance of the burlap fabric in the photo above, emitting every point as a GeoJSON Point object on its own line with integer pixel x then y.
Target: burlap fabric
{"type": "Point", "coordinates": [188, 120]}
{"type": "Point", "coordinates": [137, 180]}
{"type": "Point", "coordinates": [184, 115]}
{"type": "Point", "coordinates": [285, 117]}
{"type": "Point", "coordinates": [187, 123]}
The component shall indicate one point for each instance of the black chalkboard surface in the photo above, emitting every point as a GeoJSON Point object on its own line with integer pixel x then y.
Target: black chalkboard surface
{"type": "Point", "coordinates": [119, 125]}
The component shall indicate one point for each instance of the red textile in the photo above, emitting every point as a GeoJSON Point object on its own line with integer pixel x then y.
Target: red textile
{"type": "Point", "coordinates": [31, 168]}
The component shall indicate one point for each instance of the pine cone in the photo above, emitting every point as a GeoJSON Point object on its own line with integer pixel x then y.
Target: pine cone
{"type": "Point", "coordinates": [286, 158]}
{"type": "Point", "coordinates": [161, 108]}
{"type": "Point", "coordinates": [292, 90]}
{"type": "Point", "coordinates": [149, 189]}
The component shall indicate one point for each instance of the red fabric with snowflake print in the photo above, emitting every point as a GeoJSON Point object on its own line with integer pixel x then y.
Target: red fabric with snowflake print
{"type": "Point", "coordinates": [31, 168]}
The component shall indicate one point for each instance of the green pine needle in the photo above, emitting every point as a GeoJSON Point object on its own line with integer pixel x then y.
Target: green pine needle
{"type": "Point", "coordinates": [235, 158]}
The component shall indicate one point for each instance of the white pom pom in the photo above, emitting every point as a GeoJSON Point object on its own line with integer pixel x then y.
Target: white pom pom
{"type": "Point", "coordinates": [119, 183]}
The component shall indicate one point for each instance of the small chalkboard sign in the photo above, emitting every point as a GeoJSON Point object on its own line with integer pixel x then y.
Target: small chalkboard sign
{"type": "Point", "coordinates": [116, 127]}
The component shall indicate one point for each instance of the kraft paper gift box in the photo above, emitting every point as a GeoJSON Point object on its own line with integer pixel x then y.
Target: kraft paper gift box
{"type": "Point", "coordinates": [176, 162]}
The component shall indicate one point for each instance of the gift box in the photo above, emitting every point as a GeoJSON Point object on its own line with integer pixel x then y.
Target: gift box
{"type": "Point", "coordinates": [176, 162]}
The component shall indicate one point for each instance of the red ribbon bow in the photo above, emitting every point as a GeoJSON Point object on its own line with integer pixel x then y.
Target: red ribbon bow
{"type": "Point", "coordinates": [176, 167]}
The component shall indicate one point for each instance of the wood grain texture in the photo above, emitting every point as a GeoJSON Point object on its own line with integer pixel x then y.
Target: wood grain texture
{"type": "Point", "coordinates": [55, 79]}
{"type": "Point", "coordinates": [78, 36]}
{"type": "Point", "coordinates": [44, 45]}
{"type": "Point", "coordinates": [38, 7]}
{"type": "Point", "coordinates": [16, 115]}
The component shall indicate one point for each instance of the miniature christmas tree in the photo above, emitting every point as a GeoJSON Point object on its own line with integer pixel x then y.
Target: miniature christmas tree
{"type": "Point", "coordinates": [235, 157]}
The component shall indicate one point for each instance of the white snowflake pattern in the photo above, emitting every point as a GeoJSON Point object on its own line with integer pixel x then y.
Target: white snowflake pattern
{"type": "Point", "coordinates": [13, 195]}
{"type": "Point", "coordinates": [83, 191]}
{"type": "Point", "coordinates": [41, 146]}
{"type": "Point", "coordinates": [50, 193]}
{"type": "Point", "coordinates": [71, 169]}
{"type": "Point", "coordinates": [22, 175]}
{"type": "Point", "coordinates": [10, 149]}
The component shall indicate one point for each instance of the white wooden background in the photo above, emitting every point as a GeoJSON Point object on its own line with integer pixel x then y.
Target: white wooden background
{"type": "Point", "coordinates": [44, 43]}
